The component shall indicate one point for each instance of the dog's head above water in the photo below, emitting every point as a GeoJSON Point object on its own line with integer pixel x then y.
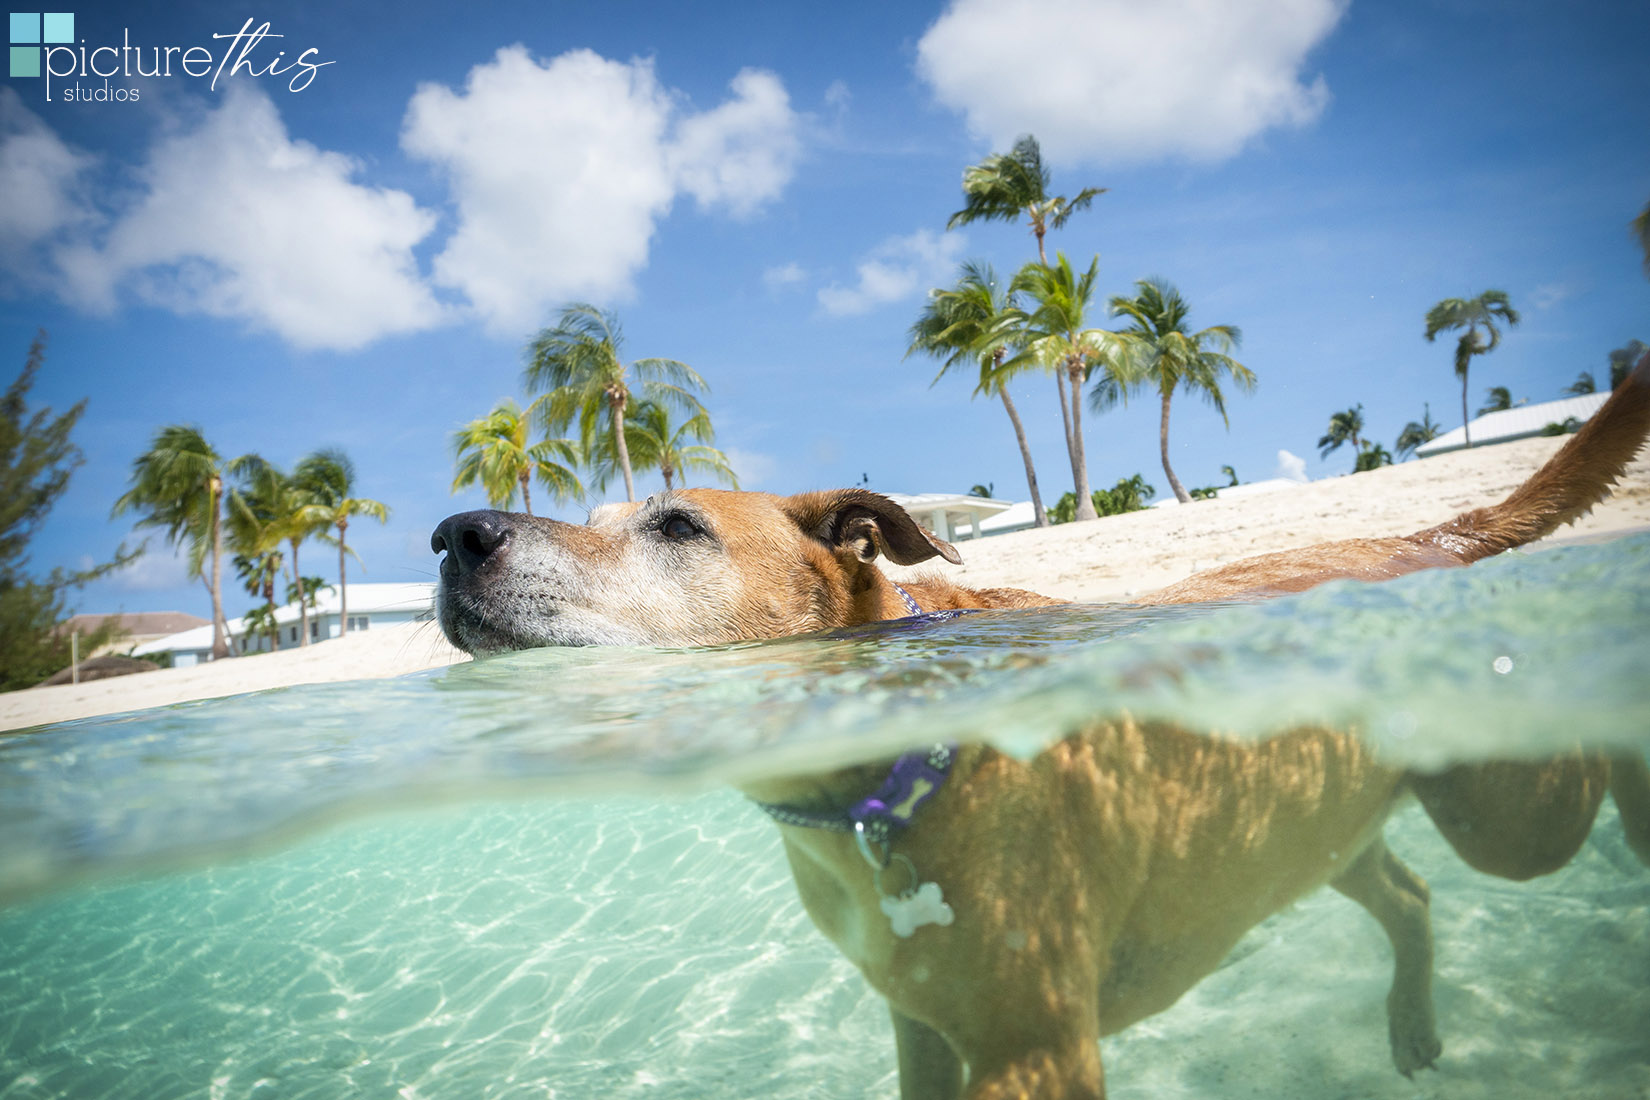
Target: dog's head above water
{"type": "Point", "coordinates": [684, 567]}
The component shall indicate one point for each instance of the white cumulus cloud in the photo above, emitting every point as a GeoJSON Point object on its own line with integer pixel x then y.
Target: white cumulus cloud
{"type": "Point", "coordinates": [560, 170]}
{"type": "Point", "coordinates": [238, 220]}
{"type": "Point", "coordinates": [42, 179]}
{"type": "Point", "coordinates": [1291, 466]}
{"type": "Point", "coordinates": [1118, 80]}
{"type": "Point", "coordinates": [895, 269]}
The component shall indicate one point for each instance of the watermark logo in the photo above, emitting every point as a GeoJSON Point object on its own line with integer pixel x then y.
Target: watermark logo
{"type": "Point", "coordinates": [30, 31]}
{"type": "Point", "coordinates": [43, 44]}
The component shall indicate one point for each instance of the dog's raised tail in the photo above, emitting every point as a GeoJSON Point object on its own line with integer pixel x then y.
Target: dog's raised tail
{"type": "Point", "coordinates": [1566, 488]}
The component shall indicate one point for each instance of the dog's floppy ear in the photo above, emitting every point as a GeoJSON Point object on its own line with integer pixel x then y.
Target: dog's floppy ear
{"type": "Point", "coordinates": [868, 524]}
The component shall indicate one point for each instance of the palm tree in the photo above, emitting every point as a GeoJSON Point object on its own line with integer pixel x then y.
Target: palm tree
{"type": "Point", "coordinates": [1169, 358]}
{"type": "Point", "coordinates": [1416, 433]}
{"type": "Point", "coordinates": [295, 514]}
{"type": "Point", "coordinates": [1622, 360]}
{"type": "Point", "coordinates": [178, 485]}
{"type": "Point", "coordinates": [983, 491]}
{"type": "Point", "coordinates": [494, 452]}
{"type": "Point", "coordinates": [1371, 456]}
{"type": "Point", "coordinates": [329, 477]}
{"type": "Point", "coordinates": [977, 322]}
{"type": "Point", "coordinates": [1231, 473]}
{"type": "Point", "coordinates": [1496, 399]}
{"type": "Point", "coordinates": [654, 443]}
{"type": "Point", "coordinates": [1056, 335]}
{"type": "Point", "coordinates": [577, 365]}
{"type": "Point", "coordinates": [1343, 428]}
{"type": "Point", "coordinates": [1004, 186]}
{"type": "Point", "coordinates": [1582, 386]}
{"type": "Point", "coordinates": [1471, 314]}
{"type": "Point", "coordinates": [257, 527]}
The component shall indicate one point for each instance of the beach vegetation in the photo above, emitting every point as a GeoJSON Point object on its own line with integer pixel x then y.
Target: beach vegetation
{"type": "Point", "coordinates": [1230, 473]}
{"type": "Point", "coordinates": [1006, 186]}
{"type": "Point", "coordinates": [1417, 432]}
{"type": "Point", "coordinates": [983, 491]}
{"type": "Point", "coordinates": [1640, 228]}
{"type": "Point", "coordinates": [1166, 357]}
{"type": "Point", "coordinates": [655, 442]}
{"type": "Point", "coordinates": [1057, 336]}
{"type": "Point", "coordinates": [1128, 495]}
{"type": "Point", "coordinates": [1496, 399]}
{"type": "Point", "coordinates": [258, 511]}
{"type": "Point", "coordinates": [270, 504]}
{"type": "Point", "coordinates": [177, 486]}
{"type": "Point", "coordinates": [1479, 319]}
{"type": "Point", "coordinates": [328, 476]}
{"type": "Point", "coordinates": [1582, 386]}
{"type": "Point", "coordinates": [977, 323]}
{"type": "Point", "coordinates": [1565, 427]}
{"type": "Point", "coordinates": [1345, 426]}
{"type": "Point", "coordinates": [37, 459]}
{"type": "Point", "coordinates": [577, 366]}
{"type": "Point", "coordinates": [496, 453]}
{"type": "Point", "coordinates": [1371, 456]}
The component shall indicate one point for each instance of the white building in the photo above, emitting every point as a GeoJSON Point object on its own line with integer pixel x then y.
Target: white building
{"type": "Point", "coordinates": [369, 605]}
{"type": "Point", "coordinates": [1517, 423]}
{"type": "Point", "coordinates": [946, 514]}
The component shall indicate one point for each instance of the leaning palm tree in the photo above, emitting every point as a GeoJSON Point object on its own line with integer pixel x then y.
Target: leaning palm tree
{"type": "Point", "coordinates": [329, 477]}
{"type": "Point", "coordinates": [1004, 186]}
{"type": "Point", "coordinates": [1582, 386]}
{"type": "Point", "coordinates": [655, 443]}
{"type": "Point", "coordinates": [1496, 399]}
{"type": "Point", "coordinates": [576, 364]}
{"type": "Point", "coordinates": [177, 485]}
{"type": "Point", "coordinates": [1471, 314]}
{"type": "Point", "coordinates": [494, 452]}
{"type": "Point", "coordinates": [1343, 428]}
{"type": "Point", "coordinates": [976, 322]}
{"type": "Point", "coordinates": [1170, 358]}
{"type": "Point", "coordinates": [1416, 433]}
{"type": "Point", "coordinates": [1057, 336]}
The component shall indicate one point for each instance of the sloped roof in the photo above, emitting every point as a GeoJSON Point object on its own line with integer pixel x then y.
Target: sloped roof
{"type": "Point", "coordinates": [138, 623]}
{"type": "Point", "coordinates": [364, 599]}
{"type": "Point", "coordinates": [1516, 423]}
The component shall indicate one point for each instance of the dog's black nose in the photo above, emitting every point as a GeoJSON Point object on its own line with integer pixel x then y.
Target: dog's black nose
{"type": "Point", "coordinates": [469, 539]}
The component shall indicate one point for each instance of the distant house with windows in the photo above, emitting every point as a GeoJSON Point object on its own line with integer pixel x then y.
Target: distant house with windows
{"type": "Point", "coordinates": [370, 605]}
{"type": "Point", "coordinates": [132, 628]}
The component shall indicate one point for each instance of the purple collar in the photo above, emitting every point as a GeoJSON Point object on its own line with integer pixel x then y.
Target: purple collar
{"type": "Point", "coordinates": [912, 781]}
{"type": "Point", "coordinates": [910, 604]}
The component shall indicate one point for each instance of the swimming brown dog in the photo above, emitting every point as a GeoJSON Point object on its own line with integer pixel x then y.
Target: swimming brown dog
{"type": "Point", "coordinates": [1091, 886]}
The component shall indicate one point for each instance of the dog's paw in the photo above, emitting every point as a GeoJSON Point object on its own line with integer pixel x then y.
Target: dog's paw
{"type": "Point", "coordinates": [1415, 1043]}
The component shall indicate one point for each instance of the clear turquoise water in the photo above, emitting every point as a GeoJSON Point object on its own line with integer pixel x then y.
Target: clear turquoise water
{"type": "Point", "coordinates": [526, 877]}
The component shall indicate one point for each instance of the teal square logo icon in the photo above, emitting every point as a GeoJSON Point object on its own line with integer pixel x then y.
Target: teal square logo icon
{"type": "Point", "coordinates": [59, 26]}
{"type": "Point", "coordinates": [25, 61]}
{"type": "Point", "coordinates": [25, 27]}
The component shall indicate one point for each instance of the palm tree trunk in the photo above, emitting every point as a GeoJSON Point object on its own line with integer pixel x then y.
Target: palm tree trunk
{"type": "Point", "coordinates": [1065, 408]}
{"type": "Point", "coordinates": [274, 627]}
{"type": "Point", "coordinates": [1025, 456]}
{"type": "Point", "coordinates": [623, 449]}
{"type": "Point", "coordinates": [1180, 492]}
{"type": "Point", "coordinates": [343, 590]}
{"type": "Point", "coordinates": [220, 625]}
{"type": "Point", "coordinates": [303, 604]}
{"type": "Point", "coordinates": [1465, 431]}
{"type": "Point", "coordinates": [526, 494]}
{"type": "Point", "coordinates": [1079, 463]}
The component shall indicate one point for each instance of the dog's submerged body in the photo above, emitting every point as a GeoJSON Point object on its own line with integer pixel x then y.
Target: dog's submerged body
{"type": "Point", "coordinates": [1094, 884]}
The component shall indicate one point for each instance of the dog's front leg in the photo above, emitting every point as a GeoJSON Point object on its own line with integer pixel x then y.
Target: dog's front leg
{"type": "Point", "coordinates": [1067, 1072]}
{"type": "Point", "coordinates": [928, 1068]}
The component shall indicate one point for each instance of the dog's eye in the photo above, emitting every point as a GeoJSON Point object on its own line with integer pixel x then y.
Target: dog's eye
{"type": "Point", "coordinates": [677, 528]}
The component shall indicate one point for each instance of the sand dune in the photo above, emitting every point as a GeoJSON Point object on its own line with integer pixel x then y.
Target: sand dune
{"type": "Point", "coordinates": [1112, 559]}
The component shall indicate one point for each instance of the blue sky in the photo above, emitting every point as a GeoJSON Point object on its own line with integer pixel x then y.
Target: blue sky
{"type": "Point", "coordinates": [761, 191]}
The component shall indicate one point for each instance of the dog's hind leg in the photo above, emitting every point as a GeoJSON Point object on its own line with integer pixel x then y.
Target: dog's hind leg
{"type": "Point", "coordinates": [928, 1068]}
{"type": "Point", "coordinates": [1630, 789]}
{"type": "Point", "coordinates": [1398, 898]}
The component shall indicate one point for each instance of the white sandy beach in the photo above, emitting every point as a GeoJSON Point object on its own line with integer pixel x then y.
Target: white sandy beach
{"type": "Point", "coordinates": [1112, 559]}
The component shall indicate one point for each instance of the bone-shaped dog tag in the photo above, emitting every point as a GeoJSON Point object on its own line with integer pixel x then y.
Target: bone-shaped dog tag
{"type": "Point", "coordinates": [915, 908]}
